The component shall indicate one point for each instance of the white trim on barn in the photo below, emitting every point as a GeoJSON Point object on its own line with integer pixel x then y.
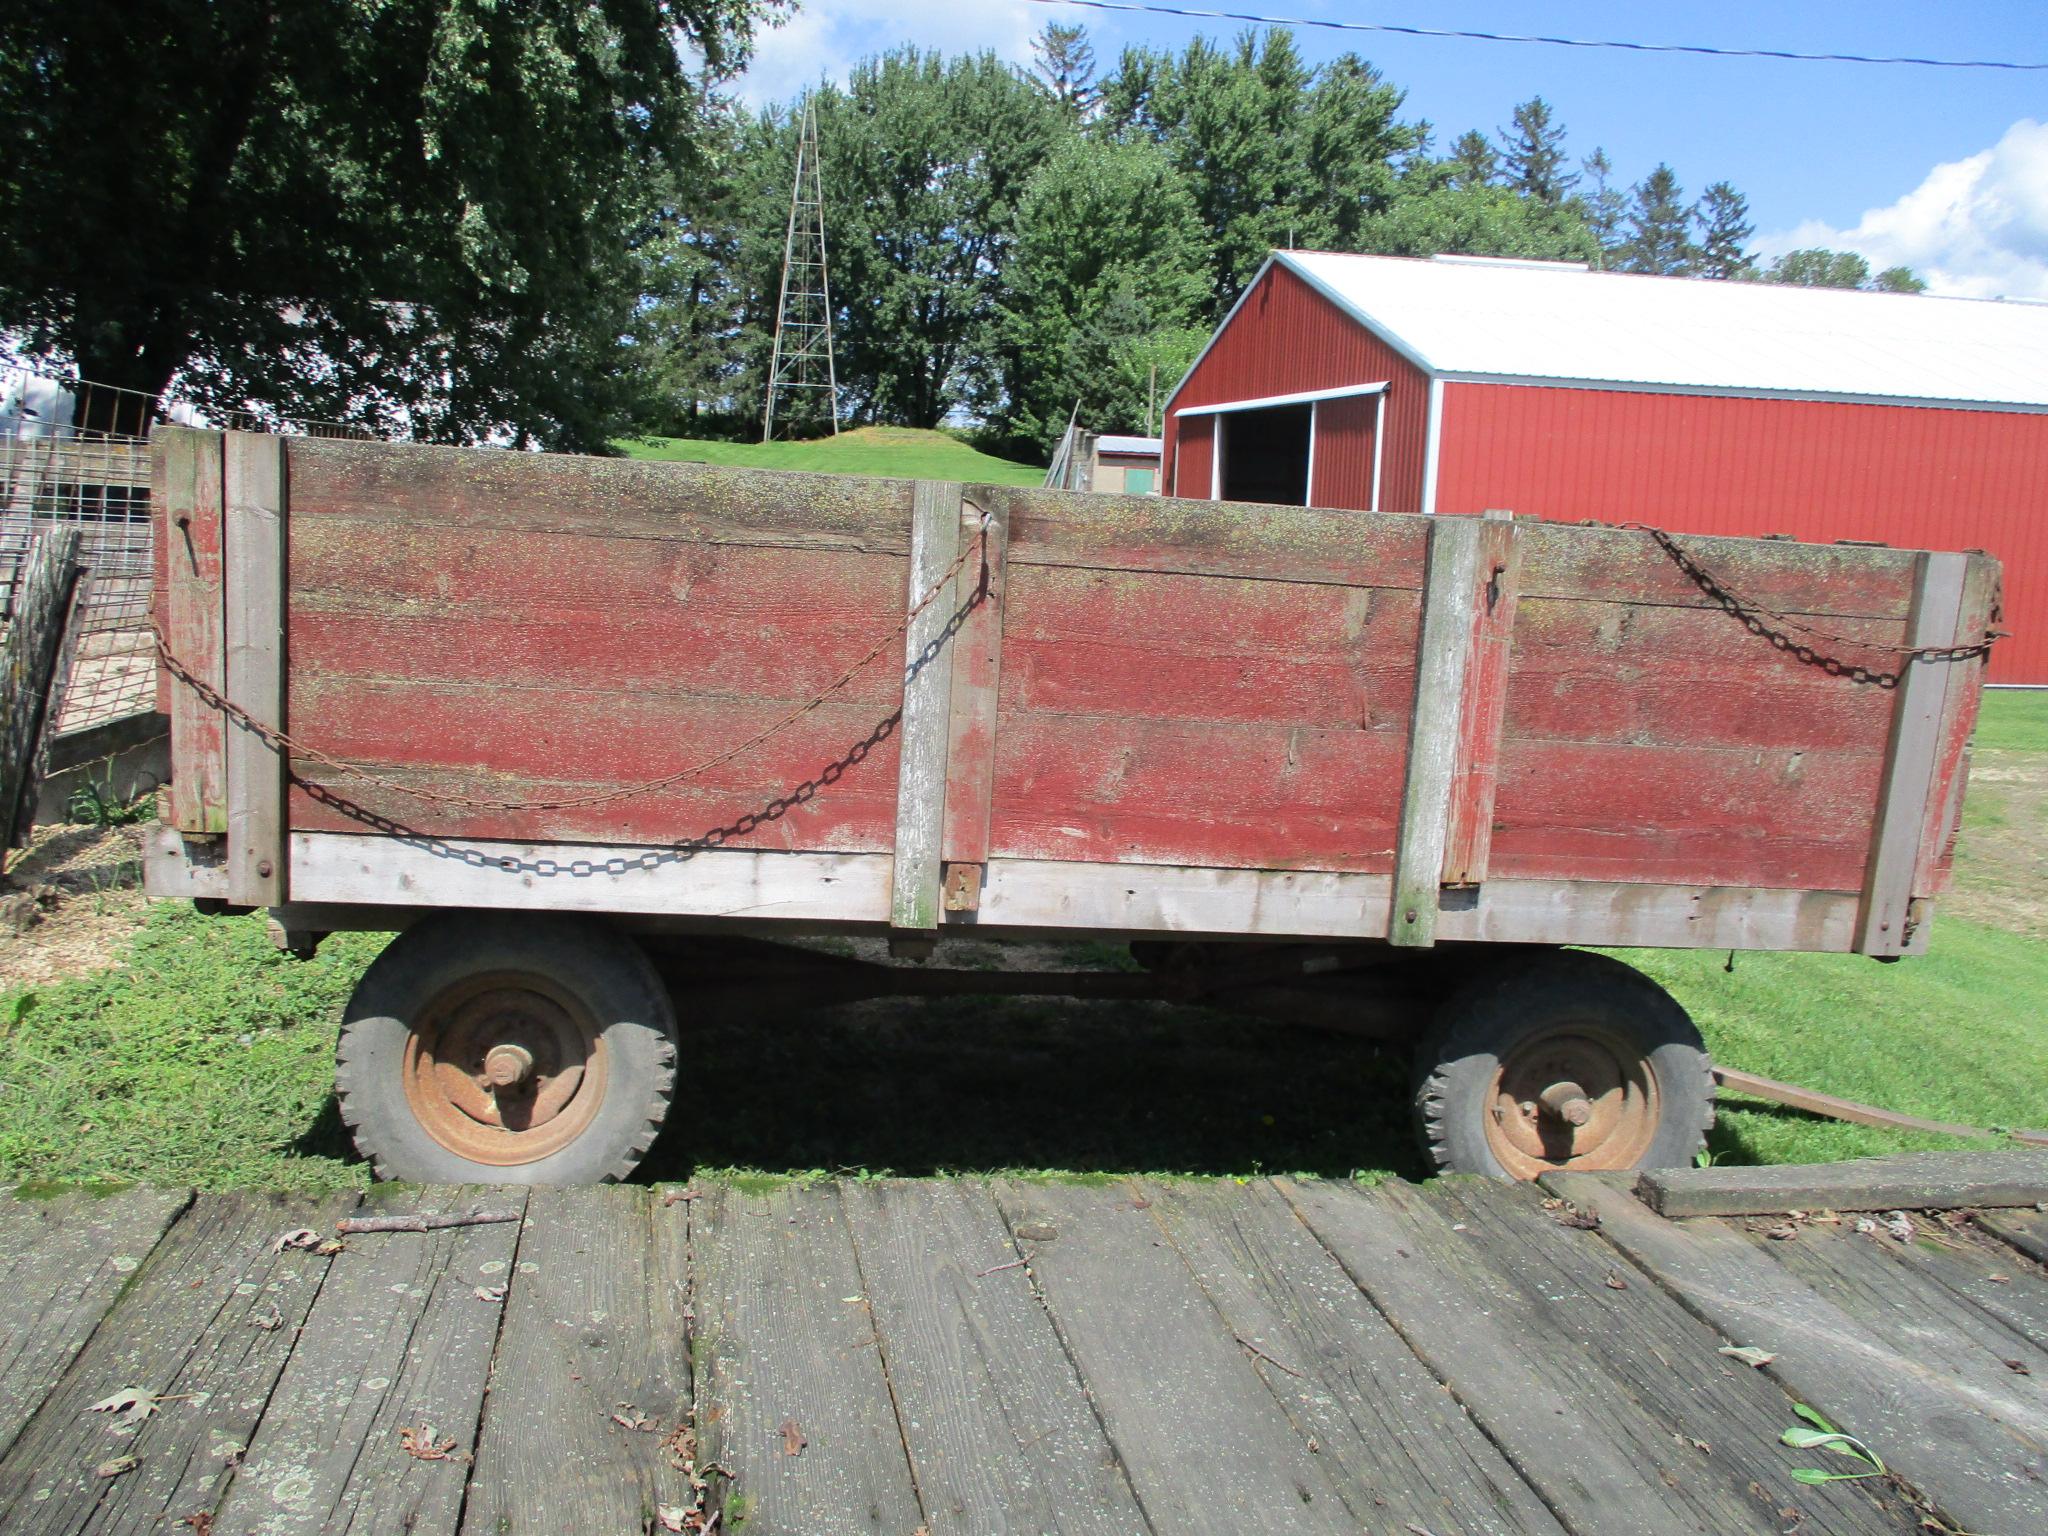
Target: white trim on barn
{"type": "Point", "coordinates": [1269, 402]}
{"type": "Point", "coordinates": [1379, 444]}
{"type": "Point", "coordinates": [1432, 442]}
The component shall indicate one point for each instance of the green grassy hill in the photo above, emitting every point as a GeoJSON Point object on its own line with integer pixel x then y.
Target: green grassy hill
{"type": "Point", "coordinates": [910, 452]}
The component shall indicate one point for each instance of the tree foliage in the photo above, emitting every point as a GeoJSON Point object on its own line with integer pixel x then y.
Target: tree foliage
{"type": "Point", "coordinates": [1723, 216]}
{"type": "Point", "coordinates": [1063, 60]}
{"type": "Point", "coordinates": [420, 214]}
{"type": "Point", "coordinates": [1533, 156]}
{"type": "Point", "coordinates": [1818, 267]}
{"type": "Point", "coordinates": [1657, 229]}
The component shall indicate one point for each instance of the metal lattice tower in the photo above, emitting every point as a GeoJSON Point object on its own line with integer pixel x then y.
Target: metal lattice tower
{"type": "Point", "coordinates": [801, 366]}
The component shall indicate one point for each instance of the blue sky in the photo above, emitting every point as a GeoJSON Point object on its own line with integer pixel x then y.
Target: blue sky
{"type": "Point", "coordinates": [1946, 170]}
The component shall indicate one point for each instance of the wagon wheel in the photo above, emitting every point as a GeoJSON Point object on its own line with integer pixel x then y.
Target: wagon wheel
{"type": "Point", "coordinates": [507, 1049]}
{"type": "Point", "coordinates": [1561, 1060]}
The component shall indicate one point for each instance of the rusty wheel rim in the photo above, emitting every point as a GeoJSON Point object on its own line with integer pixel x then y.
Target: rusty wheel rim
{"type": "Point", "coordinates": [505, 1069]}
{"type": "Point", "coordinates": [1576, 1096]}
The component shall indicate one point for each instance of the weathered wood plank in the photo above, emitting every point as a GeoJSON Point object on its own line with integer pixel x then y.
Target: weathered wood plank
{"type": "Point", "coordinates": [1605, 1400]}
{"type": "Point", "coordinates": [254, 571]}
{"type": "Point", "coordinates": [1404, 1453]}
{"type": "Point", "coordinates": [1000, 1433]}
{"type": "Point", "coordinates": [1913, 758]}
{"type": "Point", "coordinates": [398, 1339]}
{"type": "Point", "coordinates": [1964, 691]}
{"type": "Point", "coordinates": [187, 509]}
{"type": "Point", "coordinates": [337, 867]}
{"type": "Point", "coordinates": [1450, 601]}
{"type": "Point", "coordinates": [1184, 1405]}
{"type": "Point", "coordinates": [62, 1264]}
{"type": "Point", "coordinates": [1978, 1269]}
{"type": "Point", "coordinates": [1917, 1317]}
{"type": "Point", "coordinates": [2025, 1230]}
{"type": "Point", "coordinates": [1482, 712]}
{"type": "Point", "coordinates": [29, 675]}
{"type": "Point", "coordinates": [977, 678]}
{"type": "Point", "coordinates": [1982, 1472]}
{"type": "Point", "coordinates": [206, 1326]}
{"type": "Point", "coordinates": [792, 1392]}
{"type": "Point", "coordinates": [935, 536]}
{"type": "Point", "coordinates": [483, 488]}
{"type": "Point", "coordinates": [595, 1324]}
{"type": "Point", "coordinates": [1912, 1181]}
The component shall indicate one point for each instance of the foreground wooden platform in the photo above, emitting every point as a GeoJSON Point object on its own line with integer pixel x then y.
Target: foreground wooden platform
{"type": "Point", "coordinates": [997, 1356]}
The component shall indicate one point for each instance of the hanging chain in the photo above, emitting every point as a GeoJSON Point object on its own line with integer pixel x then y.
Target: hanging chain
{"type": "Point", "coordinates": [293, 747]}
{"type": "Point", "coordinates": [1781, 629]}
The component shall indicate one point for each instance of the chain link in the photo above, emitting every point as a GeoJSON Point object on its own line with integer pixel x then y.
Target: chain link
{"type": "Point", "coordinates": [1781, 629]}
{"type": "Point", "coordinates": [292, 747]}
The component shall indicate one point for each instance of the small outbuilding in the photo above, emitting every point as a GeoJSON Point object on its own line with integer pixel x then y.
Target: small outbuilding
{"type": "Point", "coordinates": [1461, 384]}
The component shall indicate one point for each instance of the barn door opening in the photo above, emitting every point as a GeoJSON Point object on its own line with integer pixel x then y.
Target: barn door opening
{"type": "Point", "coordinates": [1266, 454]}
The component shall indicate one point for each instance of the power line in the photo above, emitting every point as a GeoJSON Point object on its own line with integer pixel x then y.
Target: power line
{"type": "Point", "coordinates": [1555, 42]}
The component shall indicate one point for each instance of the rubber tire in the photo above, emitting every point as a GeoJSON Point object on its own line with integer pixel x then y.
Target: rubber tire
{"type": "Point", "coordinates": [602, 967]}
{"type": "Point", "coordinates": [1508, 1002]}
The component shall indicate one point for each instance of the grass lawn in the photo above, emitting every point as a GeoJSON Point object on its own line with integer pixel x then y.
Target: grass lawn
{"type": "Point", "coordinates": [908, 452]}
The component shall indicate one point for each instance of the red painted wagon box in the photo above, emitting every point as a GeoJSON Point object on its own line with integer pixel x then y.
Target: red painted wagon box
{"type": "Point", "coordinates": [407, 680]}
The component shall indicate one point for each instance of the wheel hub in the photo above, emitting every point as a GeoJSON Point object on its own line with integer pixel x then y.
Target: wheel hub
{"type": "Point", "coordinates": [504, 1069]}
{"type": "Point", "coordinates": [1573, 1097]}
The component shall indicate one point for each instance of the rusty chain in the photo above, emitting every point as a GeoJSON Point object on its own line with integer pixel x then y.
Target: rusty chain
{"type": "Point", "coordinates": [292, 747]}
{"type": "Point", "coordinates": [1780, 629]}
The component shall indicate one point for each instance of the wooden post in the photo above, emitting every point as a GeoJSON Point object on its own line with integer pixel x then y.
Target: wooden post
{"type": "Point", "coordinates": [189, 530]}
{"type": "Point", "coordinates": [28, 673]}
{"type": "Point", "coordinates": [927, 697]}
{"type": "Point", "coordinates": [254, 496]}
{"type": "Point", "coordinates": [1475, 773]}
{"type": "Point", "coordinates": [1449, 598]}
{"type": "Point", "coordinates": [1911, 757]}
{"type": "Point", "coordinates": [971, 745]}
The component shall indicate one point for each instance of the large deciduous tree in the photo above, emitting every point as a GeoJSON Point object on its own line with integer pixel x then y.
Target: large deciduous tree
{"type": "Point", "coordinates": [1818, 267]}
{"type": "Point", "coordinates": [417, 214]}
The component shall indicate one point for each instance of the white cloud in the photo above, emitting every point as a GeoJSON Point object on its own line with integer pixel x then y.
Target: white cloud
{"type": "Point", "coordinates": [825, 37]}
{"type": "Point", "coordinates": [1976, 228]}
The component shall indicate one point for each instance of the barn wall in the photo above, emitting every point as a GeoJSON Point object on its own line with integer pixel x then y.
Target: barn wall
{"type": "Point", "coordinates": [1286, 338]}
{"type": "Point", "coordinates": [1912, 476]}
{"type": "Point", "coordinates": [1344, 443]}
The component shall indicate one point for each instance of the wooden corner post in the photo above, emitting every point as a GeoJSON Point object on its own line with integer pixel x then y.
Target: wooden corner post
{"type": "Point", "coordinates": [254, 514]}
{"type": "Point", "coordinates": [977, 674]}
{"type": "Point", "coordinates": [935, 535]}
{"type": "Point", "coordinates": [34, 664]}
{"type": "Point", "coordinates": [1468, 609]}
{"type": "Point", "coordinates": [1907, 804]}
{"type": "Point", "coordinates": [189, 473]}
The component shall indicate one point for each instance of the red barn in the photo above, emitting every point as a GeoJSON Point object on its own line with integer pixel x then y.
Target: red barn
{"type": "Point", "coordinates": [1464, 383]}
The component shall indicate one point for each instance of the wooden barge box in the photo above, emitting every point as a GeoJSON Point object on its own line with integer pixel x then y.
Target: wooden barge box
{"type": "Point", "coordinates": [501, 687]}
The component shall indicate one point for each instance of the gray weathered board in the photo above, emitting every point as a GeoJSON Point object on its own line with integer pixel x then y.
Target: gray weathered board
{"type": "Point", "coordinates": [1138, 1357]}
{"type": "Point", "coordinates": [1914, 1181]}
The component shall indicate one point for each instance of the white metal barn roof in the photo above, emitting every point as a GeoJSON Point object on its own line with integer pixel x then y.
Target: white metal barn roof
{"type": "Point", "coordinates": [1474, 318]}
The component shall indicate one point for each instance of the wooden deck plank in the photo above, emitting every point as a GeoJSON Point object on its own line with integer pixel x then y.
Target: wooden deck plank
{"type": "Point", "coordinates": [1982, 1271]}
{"type": "Point", "coordinates": [791, 1391]}
{"type": "Point", "coordinates": [1184, 1405]}
{"type": "Point", "coordinates": [1914, 1315]}
{"type": "Point", "coordinates": [595, 1324]}
{"type": "Point", "coordinates": [1000, 1433]}
{"type": "Point", "coordinates": [397, 1340]}
{"type": "Point", "coordinates": [62, 1264]}
{"type": "Point", "coordinates": [1985, 1474]}
{"type": "Point", "coordinates": [1403, 1453]}
{"type": "Point", "coordinates": [194, 1328]}
{"type": "Point", "coordinates": [1539, 1352]}
{"type": "Point", "coordinates": [2025, 1230]}
{"type": "Point", "coordinates": [1913, 1181]}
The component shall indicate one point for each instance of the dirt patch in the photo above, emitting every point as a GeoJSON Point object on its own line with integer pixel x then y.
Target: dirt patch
{"type": "Point", "coordinates": [69, 900]}
{"type": "Point", "coordinates": [2002, 856]}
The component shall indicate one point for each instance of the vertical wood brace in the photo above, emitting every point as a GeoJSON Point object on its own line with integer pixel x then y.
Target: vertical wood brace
{"type": "Point", "coordinates": [1958, 720]}
{"type": "Point", "coordinates": [1450, 597]}
{"type": "Point", "coordinates": [971, 739]}
{"type": "Point", "coordinates": [254, 515]}
{"type": "Point", "coordinates": [927, 704]}
{"type": "Point", "coordinates": [1475, 772]}
{"type": "Point", "coordinates": [1913, 757]}
{"type": "Point", "coordinates": [189, 526]}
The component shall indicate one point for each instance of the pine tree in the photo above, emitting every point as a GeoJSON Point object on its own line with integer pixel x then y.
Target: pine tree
{"type": "Point", "coordinates": [1659, 223]}
{"type": "Point", "coordinates": [1605, 205]}
{"type": "Point", "coordinates": [1723, 215]}
{"type": "Point", "coordinates": [1532, 155]}
{"type": "Point", "coordinates": [1473, 161]}
{"type": "Point", "coordinates": [1064, 61]}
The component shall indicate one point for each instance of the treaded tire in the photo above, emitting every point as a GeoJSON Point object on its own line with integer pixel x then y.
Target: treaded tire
{"type": "Point", "coordinates": [602, 969]}
{"type": "Point", "coordinates": [1513, 1002]}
